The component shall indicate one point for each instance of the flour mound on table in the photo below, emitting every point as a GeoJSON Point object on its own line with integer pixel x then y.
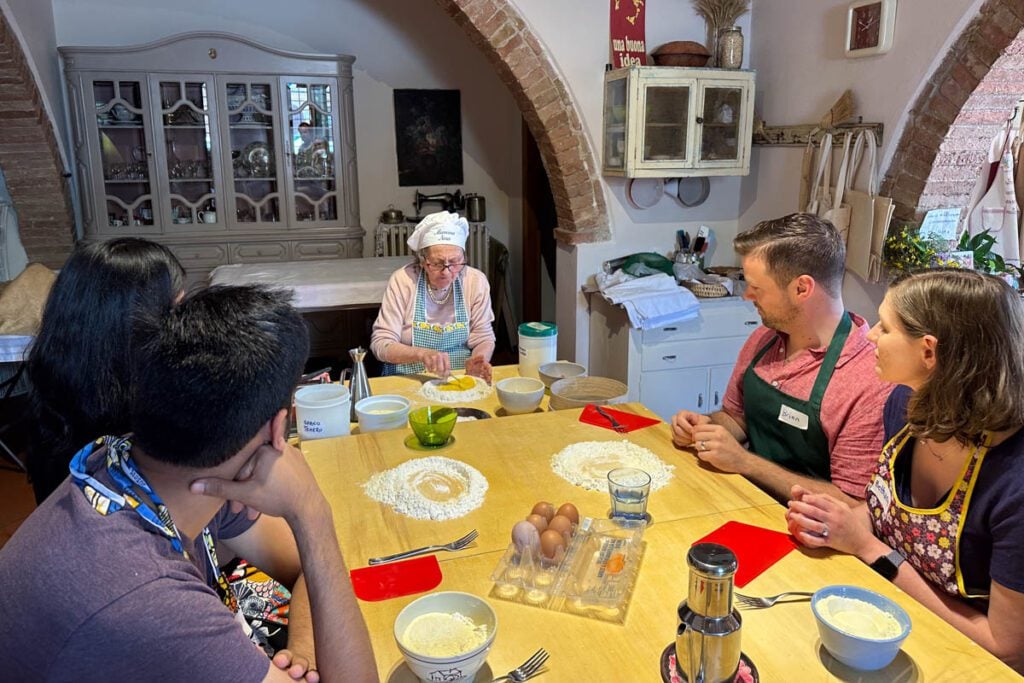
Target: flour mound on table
{"type": "Point", "coordinates": [429, 488]}
{"type": "Point", "coordinates": [430, 391]}
{"type": "Point", "coordinates": [587, 463]}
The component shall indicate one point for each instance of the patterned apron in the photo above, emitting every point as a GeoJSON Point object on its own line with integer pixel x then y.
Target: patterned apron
{"type": "Point", "coordinates": [928, 537]}
{"type": "Point", "coordinates": [452, 338]}
{"type": "Point", "coordinates": [787, 430]}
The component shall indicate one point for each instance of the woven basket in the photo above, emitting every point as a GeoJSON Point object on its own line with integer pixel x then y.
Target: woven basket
{"type": "Point", "coordinates": [706, 290]}
{"type": "Point", "coordinates": [576, 392]}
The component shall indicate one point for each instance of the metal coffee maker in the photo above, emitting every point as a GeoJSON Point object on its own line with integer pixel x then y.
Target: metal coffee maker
{"type": "Point", "coordinates": [708, 636]}
{"type": "Point", "coordinates": [476, 208]}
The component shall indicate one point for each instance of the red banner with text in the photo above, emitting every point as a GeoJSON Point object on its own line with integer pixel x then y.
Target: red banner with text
{"type": "Point", "coordinates": [628, 42]}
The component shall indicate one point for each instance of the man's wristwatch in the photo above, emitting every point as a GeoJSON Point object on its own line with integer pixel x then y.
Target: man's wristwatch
{"type": "Point", "coordinates": [888, 565]}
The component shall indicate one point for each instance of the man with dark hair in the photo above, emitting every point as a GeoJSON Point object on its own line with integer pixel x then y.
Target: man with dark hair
{"type": "Point", "coordinates": [116, 577]}
{"type": "Point", "coordinates": [804, 394]}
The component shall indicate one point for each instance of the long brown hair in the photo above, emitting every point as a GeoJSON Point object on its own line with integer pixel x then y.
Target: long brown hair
{"type": "Point", "coordinates": [978, 381]}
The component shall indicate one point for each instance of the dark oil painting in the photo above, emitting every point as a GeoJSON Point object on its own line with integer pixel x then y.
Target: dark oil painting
{"type": "Point", "coordinates": [428, 135]}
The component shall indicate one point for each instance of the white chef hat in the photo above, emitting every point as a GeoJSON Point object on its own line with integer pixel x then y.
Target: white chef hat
{"type": "Point", "coordinates": [442, 227]}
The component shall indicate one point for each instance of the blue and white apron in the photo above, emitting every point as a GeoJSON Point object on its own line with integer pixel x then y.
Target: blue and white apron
{"type": "Point", "coordinates": [452, 338]}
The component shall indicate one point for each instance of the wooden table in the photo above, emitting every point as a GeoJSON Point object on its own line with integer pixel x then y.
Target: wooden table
{"type": "Point", "coordinates": [513, 453]}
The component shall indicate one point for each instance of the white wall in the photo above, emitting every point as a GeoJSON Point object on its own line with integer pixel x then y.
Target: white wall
{"type": "Point", "coordinates": [396, 44]}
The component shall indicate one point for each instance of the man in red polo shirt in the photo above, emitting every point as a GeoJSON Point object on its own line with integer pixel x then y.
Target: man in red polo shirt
{"type": "Point", "coordinates": [804, 395]}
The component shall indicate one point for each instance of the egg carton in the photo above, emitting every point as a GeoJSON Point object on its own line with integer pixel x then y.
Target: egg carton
{"type": "Point", "coordinates": [594, 577]}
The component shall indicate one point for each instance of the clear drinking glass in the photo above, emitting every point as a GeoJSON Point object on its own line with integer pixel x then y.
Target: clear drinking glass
{"type": "Point", "coordinates": [629, 488]}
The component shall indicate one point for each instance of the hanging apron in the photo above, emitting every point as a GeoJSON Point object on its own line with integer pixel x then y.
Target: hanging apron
{"type": "Point", "coordinates": [787, 430]}
{"type": "Point", "coordinates": [928, 537]}
{"type": "Point", "coordinates": [997, 210]}
{"type": "Point", "coordinates": [452, 338]}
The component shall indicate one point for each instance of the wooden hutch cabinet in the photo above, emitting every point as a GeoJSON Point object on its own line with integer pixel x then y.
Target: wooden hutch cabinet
{"type": "Point", "coordinates": [225, 150]}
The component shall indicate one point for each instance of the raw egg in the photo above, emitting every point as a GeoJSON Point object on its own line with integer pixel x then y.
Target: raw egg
{"type": "Point", "coordinates": [539, 521]}
{"type": "Point", "coordinates": [525, 535]}
{"type": "Point", "coordinates": [544, 509]}
{"type": "Point", "coordinates": [562, 525]}
{"type": "Point", "coordinates": [569, 510]}
{"type": "Point", "coordinates": [551, 542]}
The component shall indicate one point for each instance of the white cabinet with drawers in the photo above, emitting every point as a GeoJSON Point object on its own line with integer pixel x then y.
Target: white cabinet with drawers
{"type": "Point", "coordinates": [684, 365]}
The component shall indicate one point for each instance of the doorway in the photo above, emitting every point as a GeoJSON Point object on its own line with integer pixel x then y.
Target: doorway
{"type": "Point", "coordinates": [539, 222]}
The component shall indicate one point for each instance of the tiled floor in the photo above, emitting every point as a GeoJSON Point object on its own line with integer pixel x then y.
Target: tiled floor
{"type": "Point", "coordinates": [16, 500]}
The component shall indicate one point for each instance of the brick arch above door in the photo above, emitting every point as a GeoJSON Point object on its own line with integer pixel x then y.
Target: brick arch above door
{"type": "Point", "coordinates": [30, 159]}
{"type": "Point", "coordinates": [966, 101]}
{"type": "Point", "coordinates": [528, 71]}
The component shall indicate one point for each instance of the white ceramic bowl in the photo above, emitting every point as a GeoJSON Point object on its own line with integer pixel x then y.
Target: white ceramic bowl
{"type": "Point", "coordinates": [560, 369]}
{"type": "Point", "coordinates": [378, 413]}
{"type": "Point", "coordinates": [461, 667]}
{"type": "Point", "coordinates": [864, 654]}
{"type": "Point", "coordinates": [520, 394]}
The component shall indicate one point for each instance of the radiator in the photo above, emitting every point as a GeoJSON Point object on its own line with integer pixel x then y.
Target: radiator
{"type": "Point", "coordinates": [390, 240]}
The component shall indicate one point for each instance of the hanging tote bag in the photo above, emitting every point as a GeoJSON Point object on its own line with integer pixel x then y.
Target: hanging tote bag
{"type": "Point", "coordinates": [830, 205]}
{"type": "Point", "coordinates": [869, 213]}
{"type": "Point", "coordinates": [819, 185]}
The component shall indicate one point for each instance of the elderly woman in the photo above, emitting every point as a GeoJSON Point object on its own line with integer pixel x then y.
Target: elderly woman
{"type": "Point", "coordinates": [944, 513]}
{"type": "Point", "coordinates": [436, 314]}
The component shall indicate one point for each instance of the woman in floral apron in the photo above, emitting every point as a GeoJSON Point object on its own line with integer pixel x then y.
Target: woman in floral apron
{"type": "Point", "coordinates": [944, 512]}
{"type": "Point", "coordinates": [436, 314]}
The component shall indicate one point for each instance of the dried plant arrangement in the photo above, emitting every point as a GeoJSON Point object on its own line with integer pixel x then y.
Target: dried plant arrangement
{"type": "Point", "coordinates": [719, 14]}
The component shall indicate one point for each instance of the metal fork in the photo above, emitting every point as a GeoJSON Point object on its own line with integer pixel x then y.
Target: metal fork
{"type": "Point", "coordinates": [454, 545]}
{"type": "Point", "coordinates": [528, 669]}
{"type": "Point", "coordinates": [615, 423]}
{"type": "Point", "coordinates": [752, 602]}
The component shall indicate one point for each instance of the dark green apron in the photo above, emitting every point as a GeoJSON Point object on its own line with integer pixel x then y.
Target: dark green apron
{"type": "Point", "coordinates": [784, 429]}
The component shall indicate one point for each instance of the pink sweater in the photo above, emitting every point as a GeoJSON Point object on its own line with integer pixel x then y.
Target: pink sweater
{"type": "Point", "coordinates": [394, 323]}
{"type": "Point", "coordinates": [851, 409]}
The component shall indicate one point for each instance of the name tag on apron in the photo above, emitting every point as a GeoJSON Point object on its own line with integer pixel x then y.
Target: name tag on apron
{"type": "Point", "coordinates": [793, 417]}
{"type": "Point", "coordinates": [879, 488]}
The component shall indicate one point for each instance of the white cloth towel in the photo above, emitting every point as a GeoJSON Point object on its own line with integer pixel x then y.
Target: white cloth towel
{"type": "Point", "coordinates": [650, 301]}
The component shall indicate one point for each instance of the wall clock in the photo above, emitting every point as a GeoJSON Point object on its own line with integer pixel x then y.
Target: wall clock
{"type": "Point", "coordinates": [869, 27]}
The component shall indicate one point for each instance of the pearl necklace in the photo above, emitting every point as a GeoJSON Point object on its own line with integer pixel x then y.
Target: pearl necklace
{"type": "Point", "coordinates": [439, 301]}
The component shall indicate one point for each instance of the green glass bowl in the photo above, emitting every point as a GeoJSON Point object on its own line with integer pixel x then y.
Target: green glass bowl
{"type": "Point", "coordinates": [432, 425]}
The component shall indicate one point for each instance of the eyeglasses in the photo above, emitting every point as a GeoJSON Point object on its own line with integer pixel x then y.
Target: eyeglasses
{"type": "Point", "coordinates": [455, 268]}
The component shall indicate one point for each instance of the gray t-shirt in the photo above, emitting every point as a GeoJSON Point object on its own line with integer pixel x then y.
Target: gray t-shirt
{"type": "Point", "coordinates": [89, 597]}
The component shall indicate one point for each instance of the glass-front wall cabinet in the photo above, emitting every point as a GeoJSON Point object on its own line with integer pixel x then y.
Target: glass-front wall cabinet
{"type": "Point", "coordinates": [311, 124]}
{"type": "Point", "coordinates": [677, 122]}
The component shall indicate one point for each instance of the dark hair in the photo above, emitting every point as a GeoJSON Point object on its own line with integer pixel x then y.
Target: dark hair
{"type": "Point", "coordinates": [208, 375]}
{"type": "Point", "coordinates": [795, 245]}
{"type": "Point", "coordinates": [978, 322]}
{"type": "Point", "coordinates": [78, 363]}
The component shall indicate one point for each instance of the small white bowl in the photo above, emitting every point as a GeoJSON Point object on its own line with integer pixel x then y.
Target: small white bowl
{"type": "Point", "coordinates": [462, 667]}
{"type": "Point", "coordinates": [378, 413]}
{"type": "Point", "coordinates": [520, 394]}
{"type": "Point", "coordinates": [560, 369]}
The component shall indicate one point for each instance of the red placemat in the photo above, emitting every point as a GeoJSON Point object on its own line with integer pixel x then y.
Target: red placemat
{"type": "Point", "coordinates": [395, 579]}
{"type": "Point", "coordinates": [630, 421]}
{"type": "Point", "coordinates": [756, 548]}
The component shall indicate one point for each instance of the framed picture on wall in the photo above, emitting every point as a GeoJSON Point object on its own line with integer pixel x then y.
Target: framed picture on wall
{"type": "Point", "coordinates": [870, 25]}
{"type": "Point", "coordinates": [428, 137]}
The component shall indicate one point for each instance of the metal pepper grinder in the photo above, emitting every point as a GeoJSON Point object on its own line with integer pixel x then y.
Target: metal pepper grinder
{"type": "Point", "coordinates": [358, 386]}
{"type": "Point", "coordinates": [708, 637]}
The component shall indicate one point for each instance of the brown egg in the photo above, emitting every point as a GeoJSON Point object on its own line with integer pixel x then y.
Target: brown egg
{"type": "Point", "coordinates": [544, 509]}
{"type": "Point", "coordinates": [569, 510]}
{"type": "Point", "coordinates": [562, 525]}
{"type": "Point", "coordinates": [538, 521]}
{"type": "Point", "coordinates": [551, 542]}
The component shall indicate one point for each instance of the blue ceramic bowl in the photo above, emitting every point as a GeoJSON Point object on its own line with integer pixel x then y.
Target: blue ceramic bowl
{"type": "Point", "coordinates": [864, 654]}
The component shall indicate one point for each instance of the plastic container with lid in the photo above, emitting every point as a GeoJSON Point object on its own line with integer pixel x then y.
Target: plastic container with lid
{"type": "Point", "coordinates": [538, 344]}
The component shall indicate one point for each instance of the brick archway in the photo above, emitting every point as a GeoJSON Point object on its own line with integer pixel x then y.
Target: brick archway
{"type": "Point", "coordinates": [497, 28]}
{"type": "Point", "coordinates": [30, 159]}
{"type": "Point", "coordinates": [964, 104]}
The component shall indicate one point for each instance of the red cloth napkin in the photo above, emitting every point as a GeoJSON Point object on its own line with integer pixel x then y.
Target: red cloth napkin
{"type": "Point", "coordinates": [628, 420]}
{"type": "Point", "coordinates": [756, 548]}
{"type": "Point", "coordinates": [395, 579]}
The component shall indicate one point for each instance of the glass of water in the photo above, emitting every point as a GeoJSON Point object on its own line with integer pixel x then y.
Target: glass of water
{"type": "Point", "coordinates": [629, 488]}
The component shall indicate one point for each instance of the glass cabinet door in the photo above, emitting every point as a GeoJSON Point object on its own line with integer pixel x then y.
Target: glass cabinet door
{"type": "Point", "coordinates": [615, 123]}
{"type": "Point", "coordinates": [126, 159]}
{"type": "Point", "coordinates": [721, 111]}
{"type": "Point", "coordinates": [251, 144]}
{"type": "Point", "coordinates": [666, 133]}
{"type": "Point", "coordinates": [311, 135]}
{"type": "Point", "coordinates": [190, 171]}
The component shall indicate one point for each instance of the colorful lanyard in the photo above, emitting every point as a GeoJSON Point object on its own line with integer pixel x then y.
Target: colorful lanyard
{"type": "Point", "coordinates": [106, 501]}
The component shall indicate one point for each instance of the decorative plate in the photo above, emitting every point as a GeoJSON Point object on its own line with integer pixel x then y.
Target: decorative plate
{"type": "Point", "coordinates": [643, 193]}
{"type": "Point", "coordinates": [258, 157]}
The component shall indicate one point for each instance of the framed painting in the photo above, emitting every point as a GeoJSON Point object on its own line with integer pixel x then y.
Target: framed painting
{"type": "Point", "coordinates": [428, 137]}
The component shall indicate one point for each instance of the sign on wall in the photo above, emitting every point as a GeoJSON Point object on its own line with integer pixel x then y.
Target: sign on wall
{"type": "Point", "coordinates": [628, 40]}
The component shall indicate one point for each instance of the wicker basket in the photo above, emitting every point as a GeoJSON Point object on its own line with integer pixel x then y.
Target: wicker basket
{"type": "Point", "coordinates": [707, 290]}
{"type": "Point", "coordinates": [576, 392]}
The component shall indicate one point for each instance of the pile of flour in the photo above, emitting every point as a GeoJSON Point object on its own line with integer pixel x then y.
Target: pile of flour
{"type": "Point", "coordinates": [587, 463]}
{"type": "Point", "coordinates": [429, 488]}
{"type": "Point", "coordinates": [430, 391]}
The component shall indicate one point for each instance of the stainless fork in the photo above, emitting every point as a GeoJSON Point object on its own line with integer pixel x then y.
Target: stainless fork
{"type": "Point", "coordinates": [528, 669]}
{"type": "Point", "coordinates": [753, 602]}
{"type": "Point", "coordinates": [454, 545]}
{"type": "Point", "coordinates": [615, 423]}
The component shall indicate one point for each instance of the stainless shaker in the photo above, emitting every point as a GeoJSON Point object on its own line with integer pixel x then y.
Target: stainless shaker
{"type": "Point", "coordinates": [359, 385]}
{"type": "Point", "coordinates": [708, 636]}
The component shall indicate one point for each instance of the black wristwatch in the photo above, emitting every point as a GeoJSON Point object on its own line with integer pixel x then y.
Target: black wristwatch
{"type": "Point", "coordinates": [888, 565]}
